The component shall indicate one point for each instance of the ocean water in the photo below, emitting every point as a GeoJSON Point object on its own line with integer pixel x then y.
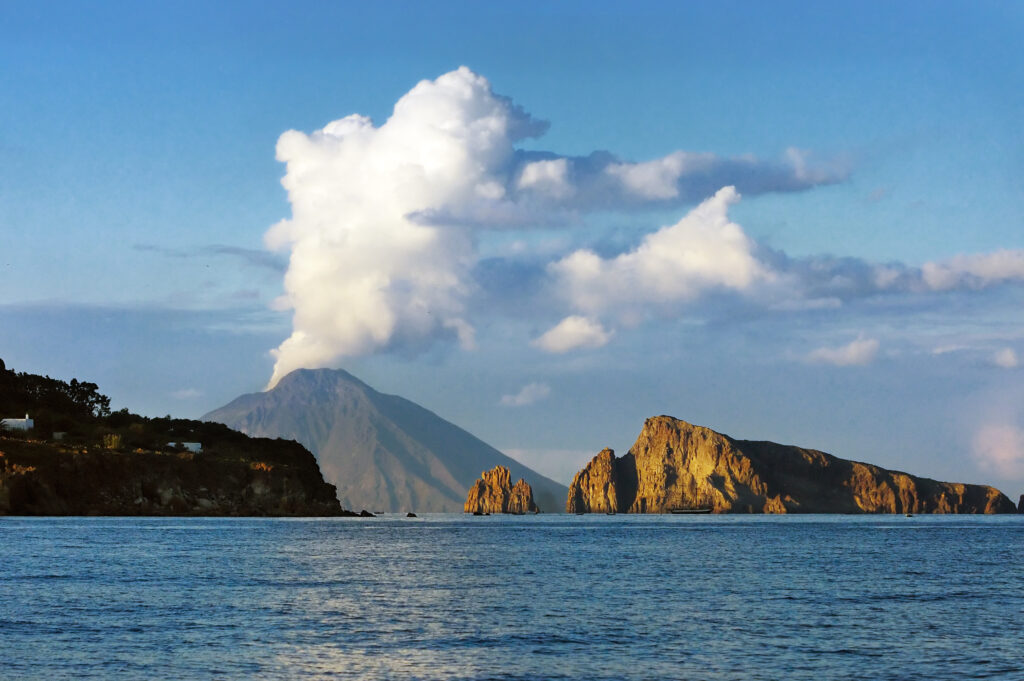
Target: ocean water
{"type": "Point", "coordinates": [545, 597]}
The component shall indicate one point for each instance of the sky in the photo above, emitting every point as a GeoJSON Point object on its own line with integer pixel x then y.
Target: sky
{"type": "Point", "coordinates": [545, 222]}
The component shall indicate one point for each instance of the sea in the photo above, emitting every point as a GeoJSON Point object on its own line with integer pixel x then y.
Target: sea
{"type": "Point", "coordinates": [513, 597]}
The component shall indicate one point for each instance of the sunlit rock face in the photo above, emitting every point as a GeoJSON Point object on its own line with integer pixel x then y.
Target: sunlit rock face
{"type": "Point", "coordinates": [495, 493]}
{"type": "Point", "coordinates": [676, 465]}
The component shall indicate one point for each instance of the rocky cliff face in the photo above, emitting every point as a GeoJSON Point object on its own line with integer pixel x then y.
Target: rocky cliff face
{"type": "Point", "coordinates": [495, 493]}
{"type": "Point", "coordinates": [38, 478]}
{"type": "Point", "coordinates": [674, 464]}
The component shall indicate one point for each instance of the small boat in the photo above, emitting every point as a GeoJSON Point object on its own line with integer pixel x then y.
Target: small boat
{"type": "Point", "coordinates": [610, 512]}
{"type": "Point", "coordinates": [680, 511]}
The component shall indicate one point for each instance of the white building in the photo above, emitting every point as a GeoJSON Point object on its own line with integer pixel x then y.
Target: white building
{"type": "Point", "coordinates": [17, 424]}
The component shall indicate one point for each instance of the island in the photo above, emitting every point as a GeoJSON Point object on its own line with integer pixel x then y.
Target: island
{"type": "Point", "coordinates": [675, 466]}
{"type": "Point", "coordinates": [495, 493]}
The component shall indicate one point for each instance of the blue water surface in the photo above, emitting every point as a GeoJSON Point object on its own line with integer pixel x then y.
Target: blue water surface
{"type": "Point", "coordinates": [544, 597]}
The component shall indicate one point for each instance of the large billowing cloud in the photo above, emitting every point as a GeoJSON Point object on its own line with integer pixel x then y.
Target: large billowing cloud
{"type": "Point", "coordinates": [381, 236]}
{"type": "Point", "coordinates": [363, 273]}
{"type": "Point", "coordinates": [387, 221]}
{"type": "Point", "coordinates": [706, 254]}
{"type": "Point", "coordinates": [703, 251]}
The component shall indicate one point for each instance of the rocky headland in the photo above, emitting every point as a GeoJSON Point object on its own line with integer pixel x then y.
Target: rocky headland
{"type": "Point", "coordinates": [495, 493]}
{"type": "Point", "coordinates": [676, 465]}
{"type": "Point", "coordinates": [77, 457]}
{"type": "Point", "coordinates": [276, 478]}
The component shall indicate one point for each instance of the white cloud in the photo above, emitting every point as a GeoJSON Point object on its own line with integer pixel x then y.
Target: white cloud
{"type": "Point", "coordinates": [974, 271]}
{"type": "Point", "coordinates": [657, 179]}
{"type": "Point", "coordinates": [381, 237]}
{"type": "Point", "coordinates": [702, 252]}
{"type": "Point", "coordinates": [363, 274]}
{"type": "Point", "coordinates": [547, 177]}
{"type": "Point", "coordinates": [530, 393]}
{"type": "Point", "coordinates": [572, 333]}
{"type": "Point", "coordinates": [186, 394]}
{"type": "Point", "coordinates": [859, 352]}
{"type": "Point", "coordinates": [1000, 448]}
{"type": "Point", "coordinates": [1006, 358]}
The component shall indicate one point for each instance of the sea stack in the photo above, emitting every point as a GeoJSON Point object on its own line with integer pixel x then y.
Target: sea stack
{"type": "Point", "coordinates": [673, 464]}
{"type": "Point", "coordinates": [495, 493]}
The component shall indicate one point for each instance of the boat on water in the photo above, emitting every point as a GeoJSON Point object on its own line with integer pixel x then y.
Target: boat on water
{"type": "Point", "coordinates": [680, 511]}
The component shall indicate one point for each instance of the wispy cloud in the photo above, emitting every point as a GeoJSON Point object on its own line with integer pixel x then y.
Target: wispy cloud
{"type": "Point", "coordinates": [859, 352]}
{"type": "Point", "coordinates": [529, 394]}
{"type": "Point", "coordinates": [187, 394]}
{"type": "Point", "coordinates": [1006, 358]}
{"type": "Point", "coordinates": [572, 333]}
{"type": "Point", "coordinates": [250, 256]}
{"type": "Point", "coordinates": [999, 448]}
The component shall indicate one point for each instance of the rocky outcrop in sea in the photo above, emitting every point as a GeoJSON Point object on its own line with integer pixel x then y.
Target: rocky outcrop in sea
{"type": "Point", "coordinates": [495, 493]}
{"type": "Point", "coordinates": [676, 465]}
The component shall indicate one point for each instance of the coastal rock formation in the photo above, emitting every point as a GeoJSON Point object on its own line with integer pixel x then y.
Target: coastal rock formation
{"type": "Point", "coordinates": [495, 493]}
{"type": "Point", "coordinates": [596, 488]}
{"type": "Point", "coordinates": [1020, 504]}
{"type": "Point", "coordinates": [279, 479]}
{"type": "Point", "coordinates": [674, 464]}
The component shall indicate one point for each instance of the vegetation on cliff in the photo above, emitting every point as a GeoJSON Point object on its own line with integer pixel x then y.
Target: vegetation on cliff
{"type": "Point", "coordinates": [673, 464]}
{"type": "Point", "coordinates": [103, 463]}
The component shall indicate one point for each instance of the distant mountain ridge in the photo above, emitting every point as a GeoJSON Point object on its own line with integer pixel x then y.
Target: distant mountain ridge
{"type": "Point", "coordinates": [383, 452]}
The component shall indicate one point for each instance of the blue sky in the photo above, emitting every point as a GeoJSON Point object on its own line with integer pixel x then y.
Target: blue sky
{"type": "Point", "coordinates": [138, 180]}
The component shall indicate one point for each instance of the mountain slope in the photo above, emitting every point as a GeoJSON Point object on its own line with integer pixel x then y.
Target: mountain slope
{"type": "Point", "coordinates": [674, 464]}
{"type": "Point", "coordinates": [383, 452]}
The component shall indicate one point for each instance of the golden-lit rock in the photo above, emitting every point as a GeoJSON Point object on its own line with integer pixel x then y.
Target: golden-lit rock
{"type": "Point", "coordinates": [676, 465]}
{"type": "Point", "coordinates": [495, 493]}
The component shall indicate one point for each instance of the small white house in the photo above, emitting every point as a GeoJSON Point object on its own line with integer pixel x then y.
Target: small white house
{"type": "Point", "coordinates": [195, 447]}
{"type": "Point", "coordinates": [17, 424]}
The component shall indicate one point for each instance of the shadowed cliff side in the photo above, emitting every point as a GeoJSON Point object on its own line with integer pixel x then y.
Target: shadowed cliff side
{"type": "Point", "coordinates": [272, 478]}
{"type": "Point", "coordinates": [495, 493]}
{"type": "Point", "coordinates": [673, 463]}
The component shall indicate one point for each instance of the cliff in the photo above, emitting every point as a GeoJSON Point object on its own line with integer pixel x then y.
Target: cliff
{"type": "Point", "coordinates": [276, 478]}
{"type": "Point", "coordinates": [674, 464]}
{"type": "Point", "coordinates": [495, 493]}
